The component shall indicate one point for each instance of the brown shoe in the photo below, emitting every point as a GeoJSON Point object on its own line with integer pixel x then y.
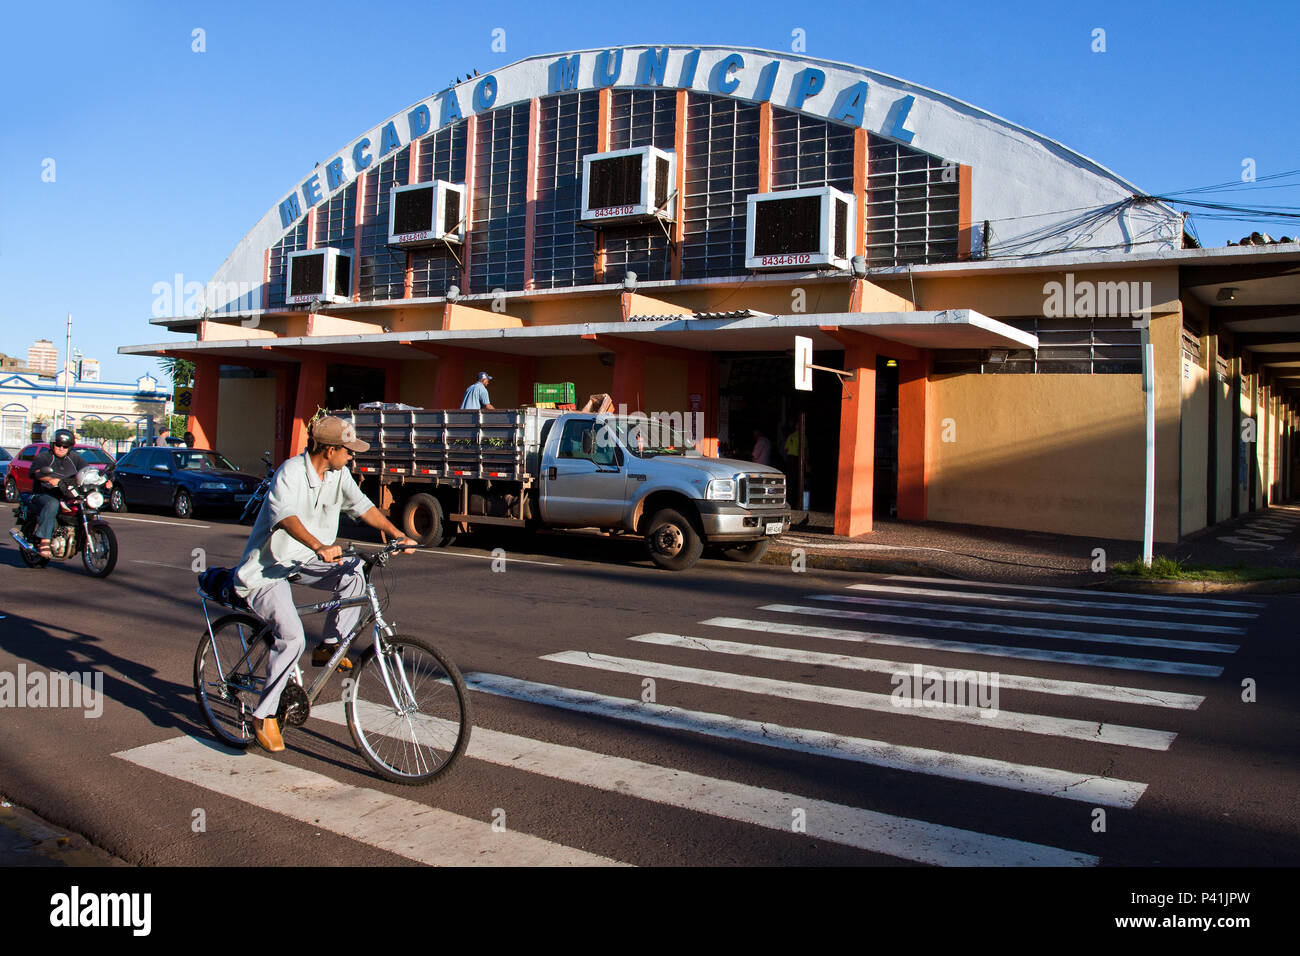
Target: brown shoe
{"type": "Point", "coordinates": [321, 656]}
{"type": "Point", "coordinates": [267, 732]}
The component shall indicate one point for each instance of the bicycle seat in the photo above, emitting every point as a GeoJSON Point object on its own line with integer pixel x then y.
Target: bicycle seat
{"type": "Point", "coordinates": [219, 585]}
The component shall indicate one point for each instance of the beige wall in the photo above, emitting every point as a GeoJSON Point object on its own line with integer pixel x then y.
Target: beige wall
{"type": "Point", "coordinates": [665, 385]}
{"type": "Point", "coordinates": [1194, 434]}
{"type": "Point", "coordinates": [246, 421]}
{"type": "Point", "coordinates": [1056, 453]}
{"type": "Point", "coordinates": [1221, 392]}
{"type": "Point", "coordinates": [418, 382]}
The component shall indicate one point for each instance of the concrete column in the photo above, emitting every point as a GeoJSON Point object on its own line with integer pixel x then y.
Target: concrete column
{"type": "Point", "coordinates": [913, 421]}
{"type": "Point", "coordinates": [701, 381]}
{"type": "Point", "coordinates": [308, 397]}
{"type": "Point", "coordinates": [202, 420]}
{"type": "Point", "coordinates": [286, 386]}
{"type": "Point", "coordinates": [856, 474]}
{"type": "Point", "coordinates": [450, 380]}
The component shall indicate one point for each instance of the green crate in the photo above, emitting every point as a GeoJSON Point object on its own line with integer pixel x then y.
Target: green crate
{"type": "Point", "coordinates": [560, 393]}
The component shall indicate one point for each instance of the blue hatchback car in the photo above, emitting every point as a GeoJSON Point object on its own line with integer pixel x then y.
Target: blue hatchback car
{"type": "Point", "coordinates": [182, 479]}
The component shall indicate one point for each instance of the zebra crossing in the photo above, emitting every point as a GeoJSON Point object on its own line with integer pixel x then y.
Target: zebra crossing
{"type": "Point", "coordinates": [878, 627]}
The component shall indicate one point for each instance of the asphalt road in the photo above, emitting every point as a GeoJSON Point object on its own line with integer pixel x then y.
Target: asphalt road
{"type": "Point", "coordinates": [773, 735]}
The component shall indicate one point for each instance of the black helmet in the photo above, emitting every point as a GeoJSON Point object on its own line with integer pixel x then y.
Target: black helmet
{"type": "Point", "coordinates": [63, 438]}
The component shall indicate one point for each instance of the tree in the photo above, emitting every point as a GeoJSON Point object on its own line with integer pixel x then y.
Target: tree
{"type": "Point", "coordinates": [107, 431]}
{"type": "Point", "coordinates": [179, 370]}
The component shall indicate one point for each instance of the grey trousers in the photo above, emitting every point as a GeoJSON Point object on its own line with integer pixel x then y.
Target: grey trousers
{"type": "Point", "coordinates": [275, 604]}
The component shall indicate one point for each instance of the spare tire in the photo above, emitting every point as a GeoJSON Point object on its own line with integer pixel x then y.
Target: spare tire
{"type": "Point", "coordinates": [424, 520]}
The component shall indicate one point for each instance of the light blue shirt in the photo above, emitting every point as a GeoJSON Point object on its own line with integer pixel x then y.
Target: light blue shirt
{"type": "Point", "coordinates": [476, 396]}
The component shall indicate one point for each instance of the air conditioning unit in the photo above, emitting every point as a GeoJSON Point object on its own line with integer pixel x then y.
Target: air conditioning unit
{"type": "Point", "coordinates": [319, 275]}
{"type": "Point", "coordinates": [629, 185]}
{"type": "Point", "coordinates": [426, 213]}
{"type": "Point", "coordinates": [799, 228]}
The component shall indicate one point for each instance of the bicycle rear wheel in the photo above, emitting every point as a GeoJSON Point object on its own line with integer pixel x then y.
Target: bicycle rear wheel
{"type": "Point", "coordinates": [227, 702]}
{"type": "Point", "coordinates": [409, 717]}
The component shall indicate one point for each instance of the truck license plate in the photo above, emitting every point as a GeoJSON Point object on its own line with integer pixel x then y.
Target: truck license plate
{"type": "Point", "coordinates": [774, 527]}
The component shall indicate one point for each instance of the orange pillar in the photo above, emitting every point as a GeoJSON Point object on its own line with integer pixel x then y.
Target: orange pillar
{"type": "Point", "coordinates": [629, 380]}
{"type": "Point", "coordinates": [202, 419]}
{"type": "Point", "coordinates": [913, 400]}
{"type": "Point", "coordinates": [308, 397]}
{"type": "Point", "coordinates": [856, 475]}
{"type": "Point", "coordinates": [701, 397]}
{"type": "Point", "coordinates": [451, 380]}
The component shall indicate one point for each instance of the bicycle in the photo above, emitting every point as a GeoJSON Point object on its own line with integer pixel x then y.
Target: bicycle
{"type": "Point", "coordinates": [407, 738]}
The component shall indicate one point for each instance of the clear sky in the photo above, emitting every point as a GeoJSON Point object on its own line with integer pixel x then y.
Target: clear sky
{"type": "Point", "coordinates": [164, 158]}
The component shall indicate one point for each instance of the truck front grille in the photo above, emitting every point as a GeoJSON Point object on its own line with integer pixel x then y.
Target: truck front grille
{"type": "Point", "coordinates": [762, 490]}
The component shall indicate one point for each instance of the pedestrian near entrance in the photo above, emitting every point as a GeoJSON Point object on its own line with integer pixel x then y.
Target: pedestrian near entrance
{"type": "Point", "coordinates": [163, 435]}
{"type": "Point", "coordinates": [762, 453]}
{"type": "Point", "coordinates": [476, 396]}
{"type": "Point", "coordinates": [792, 467]}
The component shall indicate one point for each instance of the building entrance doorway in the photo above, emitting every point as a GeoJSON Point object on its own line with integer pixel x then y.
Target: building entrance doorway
{"type": "Point", "coordinates": [756, 392]}
{"type": "Point", "coordinates": [349, 386]}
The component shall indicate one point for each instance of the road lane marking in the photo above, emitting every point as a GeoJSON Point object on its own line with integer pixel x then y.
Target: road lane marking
{"type": "Point", "coordinates": [1038, 685]}
{"type": "Point", "coordinates": [1045, 781]}
{"type": "Point", "coordinates": [961, 647]}
{"type": "Point", "coordinates": [1051, 602]}
{"type": "Point", "coordinates": [412, 830]}
{"type": "Point", "coordinates": [1088, 731]}
{"type": "Point", "coordinates": [1038, 615]}
{"type": "Point", "coordinates": [178, 524]}
{"type": "Point", "coordinates": [1055, 635]}
{"type": "Point", "coordinates": [1077, 592]}
{"type": "Point", "coordinates": [895, 836]}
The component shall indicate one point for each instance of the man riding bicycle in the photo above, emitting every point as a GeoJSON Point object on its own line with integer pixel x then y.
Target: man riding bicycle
{"type": "Point", "coordinates": [294, 534]}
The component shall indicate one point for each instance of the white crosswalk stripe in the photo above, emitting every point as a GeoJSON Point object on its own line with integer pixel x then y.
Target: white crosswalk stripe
{"type": "Point", "coordinates": [965, 647]}
{"type": "Point", "coordinates": [1023, 600]}
{"type": "Point", "coordinates": [409, 829]}
{"type": "Point", "coordinates": [1049, 633]}
{"type": "Point", "coordinates": [960, 586]}
{"type": "Point", "coordinates": [1085, 787]}
{"type": "Point", "coordinates": [884, 833]}
{"type": "Point", "coordinates": [993, 719]}
{"type": "Point", "coordinates": [1041, 685]}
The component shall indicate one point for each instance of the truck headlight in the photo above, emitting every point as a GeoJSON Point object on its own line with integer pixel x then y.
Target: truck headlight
{"type": "Point", "coordinates": [721, 489]}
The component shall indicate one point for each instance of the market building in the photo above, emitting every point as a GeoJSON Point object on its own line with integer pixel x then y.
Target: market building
{"type": "Point", "coordinates": [660, 223]}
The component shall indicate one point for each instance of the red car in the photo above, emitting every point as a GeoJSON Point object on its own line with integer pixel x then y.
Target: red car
{"type": "Point", "coordinates": [18, 481]}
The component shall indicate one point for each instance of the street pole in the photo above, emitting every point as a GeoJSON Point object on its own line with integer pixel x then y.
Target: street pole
{"type": "Point", "coordinates": [67, 374]}
{"type": "Point", "coordinates": [1149, 397]}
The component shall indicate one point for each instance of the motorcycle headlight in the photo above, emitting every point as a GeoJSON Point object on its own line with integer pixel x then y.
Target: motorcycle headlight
{"type": "Point", "coordinates": [95, 500]}
{"type": "Point", "coordinates": [721, 489]}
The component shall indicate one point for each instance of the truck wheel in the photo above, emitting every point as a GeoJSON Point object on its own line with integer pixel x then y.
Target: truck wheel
{"type": "Point", "coordinates": [749, 552]}
{"type": "Point", "coordinates": [424, 520]}
{"type": "Point", "coordinates": [673, 541]}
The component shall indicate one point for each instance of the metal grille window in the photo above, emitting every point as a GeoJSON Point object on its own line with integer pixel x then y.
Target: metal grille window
{"type": "Point", "coordinates": [498, 205]}
{"type": "Point", "coordinates": [1097, 346]}
{"type": "Point", "coordinates": [295, 240]}
{"type": "Point", "coordinates": [807, 151]}
{"type": "Point", "coordinates": [640, 118]}
{"type": "Point", "coordinates": [1192, 341]}
{"type": "Point", "coordinates": [383, 270]}
{"type": "Point", "coordinates": [442, 156]}
{"type": "Point", "coordinates": [912, 205]}
{"type": "Point", "coordinates": [562, 251]}
{"type": "Point", "coordinates": [336, 219]}
{"type": "Point", "coordinates": [721, 171]}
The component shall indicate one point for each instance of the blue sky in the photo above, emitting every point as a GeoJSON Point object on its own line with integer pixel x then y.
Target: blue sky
{"type": "Point", "coordinates": [164, 157]}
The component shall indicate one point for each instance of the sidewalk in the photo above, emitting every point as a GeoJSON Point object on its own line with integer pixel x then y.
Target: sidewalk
{"type": "Point", "coordinates": [27, 840]}
{"type": "Point", "coordinates": [1264, 538]}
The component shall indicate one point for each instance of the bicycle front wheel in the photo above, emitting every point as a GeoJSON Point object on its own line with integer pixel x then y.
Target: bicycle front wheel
{"type": "Point", "coordinates": [408, 710]}
{"type": "Point", "coordinates": [227, 694]}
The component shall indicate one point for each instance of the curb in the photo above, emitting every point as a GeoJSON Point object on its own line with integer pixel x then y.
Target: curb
{"type": "Point", "coordinates": [836, 562]}
{"type": "Point", "coordinates": [1157, 586]}
{"type": "Point", "coordinates": [27, 840]}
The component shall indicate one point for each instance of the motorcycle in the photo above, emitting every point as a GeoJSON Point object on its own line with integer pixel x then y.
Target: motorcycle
{"type": "Point", "coordinates": [78, 529]}
{"type": "Point", "coordinates": [254, 506]}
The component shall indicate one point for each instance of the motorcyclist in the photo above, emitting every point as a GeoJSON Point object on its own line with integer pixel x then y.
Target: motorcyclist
{"type": "Point", "coordinates": [51, 467]}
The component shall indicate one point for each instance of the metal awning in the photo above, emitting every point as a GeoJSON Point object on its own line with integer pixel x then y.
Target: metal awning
{"type": "Point", "coordinates": [946, 329]}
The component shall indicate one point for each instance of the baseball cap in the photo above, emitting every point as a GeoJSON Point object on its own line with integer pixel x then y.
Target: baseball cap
{"type": "Point", "coordinates": [483, 375]}
{"type": "Point", "coordinates": [332, 430]}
